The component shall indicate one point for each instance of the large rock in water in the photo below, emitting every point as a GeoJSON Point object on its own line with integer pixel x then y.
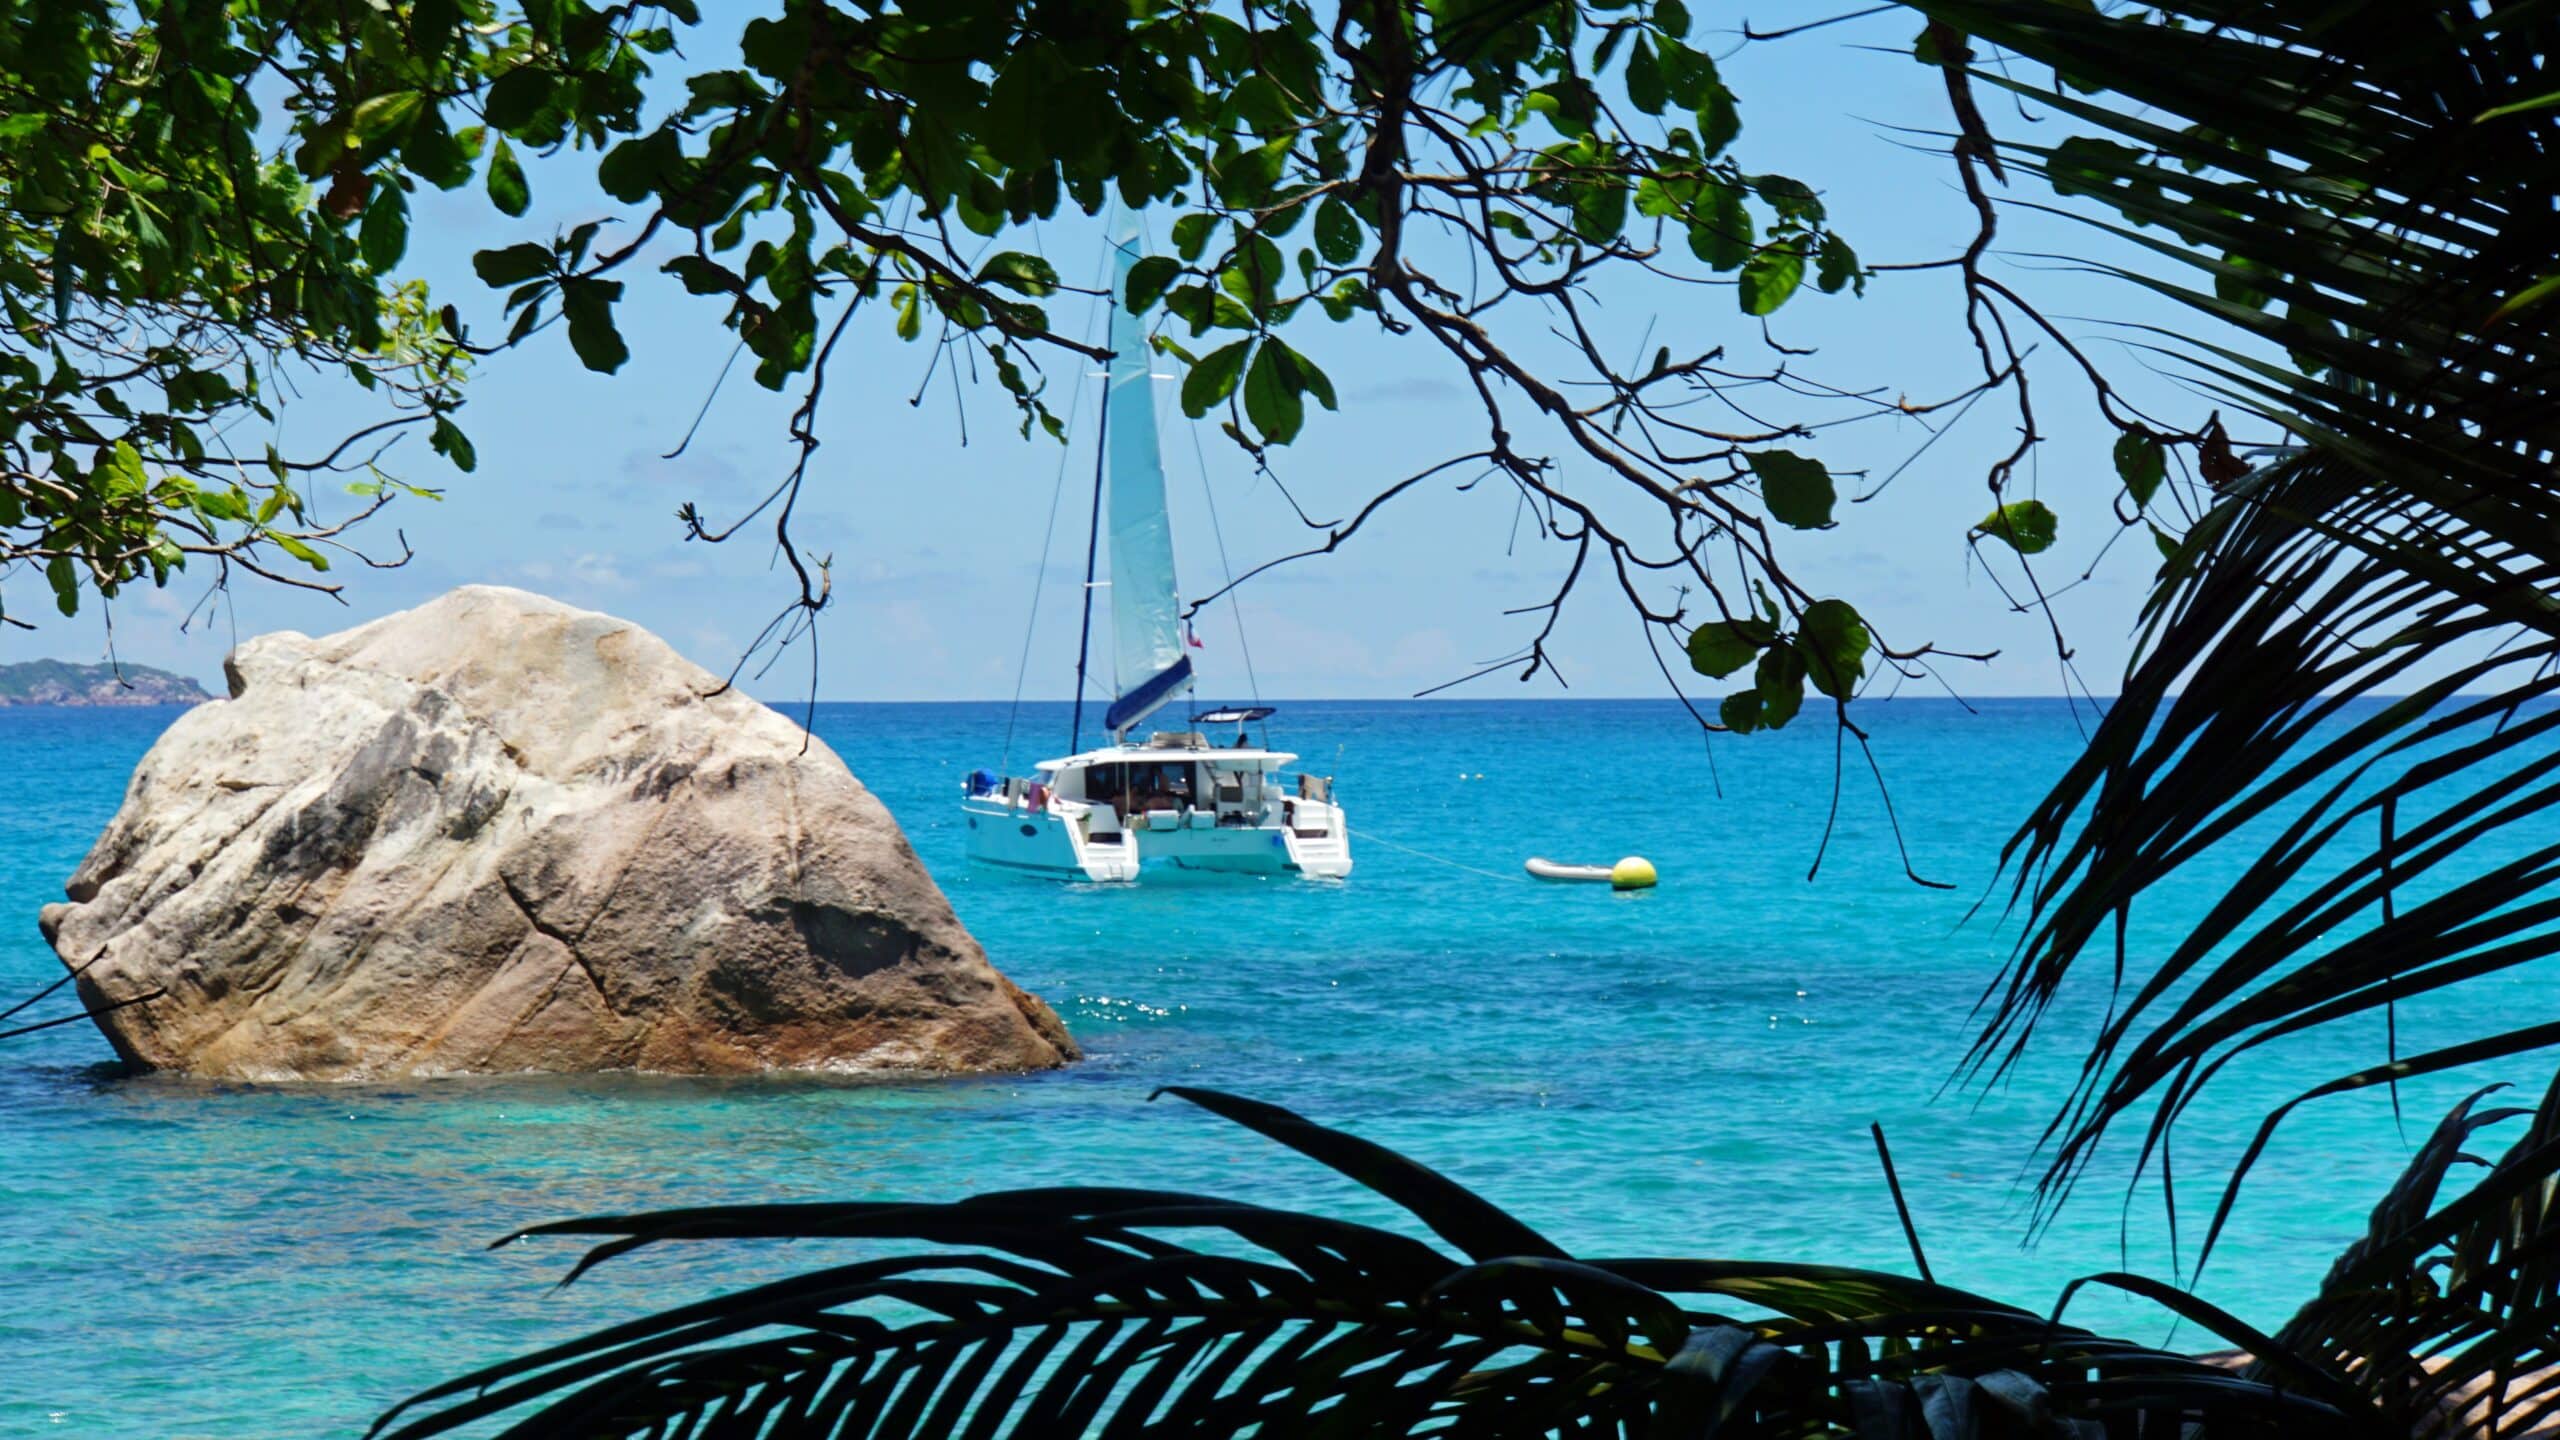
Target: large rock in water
{"type": "Point", "coordinates": [496, 833]}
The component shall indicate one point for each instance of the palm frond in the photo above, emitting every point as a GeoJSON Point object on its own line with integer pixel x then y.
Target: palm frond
{"type": "Point", "coordinates": [2442, 1315]}
{"type": "Point", "coordinates": [2346, 181]}
{"type": "Point", "coordinates": [1119, 1312]}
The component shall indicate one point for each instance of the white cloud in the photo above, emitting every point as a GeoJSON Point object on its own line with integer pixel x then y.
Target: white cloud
{"type": "Point", "coordinates": [592, 569]}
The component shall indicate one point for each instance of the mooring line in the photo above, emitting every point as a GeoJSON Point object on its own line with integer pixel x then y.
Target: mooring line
{"type": "Point", "coordinates": [1409, 850]}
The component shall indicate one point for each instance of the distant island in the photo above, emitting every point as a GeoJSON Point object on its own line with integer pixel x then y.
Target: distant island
{"type": "Point", "coordinates": [59, 682]}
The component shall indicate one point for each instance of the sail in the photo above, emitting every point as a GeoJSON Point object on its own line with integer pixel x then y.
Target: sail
{"type": "Point", "coordinates": [1146, 614]}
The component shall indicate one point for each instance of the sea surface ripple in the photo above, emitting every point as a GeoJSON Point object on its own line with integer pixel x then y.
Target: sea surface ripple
{"type": "Point", "coordinates": [1686, 1071]}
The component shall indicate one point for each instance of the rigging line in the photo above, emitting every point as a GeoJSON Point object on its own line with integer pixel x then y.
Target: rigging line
{"type": "Point", "coordinates": [1235, 602]}
{"type": "Point", "coordinates": [1040, 578]}
{"type": "Point", "coordinates": [1049, 536]}
{"type": "Point", "coordinates": [1426, 855]}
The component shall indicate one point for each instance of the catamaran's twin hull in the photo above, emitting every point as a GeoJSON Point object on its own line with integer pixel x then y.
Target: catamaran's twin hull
{"type": "Point", "coordinates": [1062, 842]}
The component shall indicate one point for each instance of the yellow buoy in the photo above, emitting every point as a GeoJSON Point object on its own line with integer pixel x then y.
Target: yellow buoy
{"type": "Point", "coordinates": [1633, 873]}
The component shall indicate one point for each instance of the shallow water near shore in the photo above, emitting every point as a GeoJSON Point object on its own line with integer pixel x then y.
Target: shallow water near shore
{"type": "Point", "coordinates": [1689, 1070]}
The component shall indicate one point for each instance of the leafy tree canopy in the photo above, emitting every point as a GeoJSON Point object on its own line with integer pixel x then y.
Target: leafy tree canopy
{"type": "Point", "coordinates": [167, 278]}
{"type": "Point", "coordinates": [1459, 171]}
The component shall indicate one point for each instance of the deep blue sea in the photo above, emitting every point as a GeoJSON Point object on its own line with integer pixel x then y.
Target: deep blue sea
{"type": "Point", "coordinates": [1690, 1070]}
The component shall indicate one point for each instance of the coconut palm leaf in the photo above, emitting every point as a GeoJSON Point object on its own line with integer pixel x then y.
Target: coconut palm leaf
{"type": "Point", "coordinates": [1118, 1312]}
{"type": "Point", "coordinates": [2305, 697]}
{"type": "Point", "coordinates": [2441, 1314]}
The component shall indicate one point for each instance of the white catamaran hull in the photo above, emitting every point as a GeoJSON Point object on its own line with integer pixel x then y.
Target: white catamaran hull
{"type": "Point", "coordinates": [1172, 797]}
{"type": "Point", "coordinates": [1062, 840]}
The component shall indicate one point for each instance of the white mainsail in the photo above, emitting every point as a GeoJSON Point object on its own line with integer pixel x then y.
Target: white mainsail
{"type": "Point", "coordinates": [1146, 613]}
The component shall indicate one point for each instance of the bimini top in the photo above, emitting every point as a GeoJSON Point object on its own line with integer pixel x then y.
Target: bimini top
{"type": "Point", "coordinates": [1238, 759]}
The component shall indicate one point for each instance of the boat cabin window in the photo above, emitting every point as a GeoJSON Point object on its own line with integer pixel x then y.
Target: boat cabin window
{"type": "Point", "coordinates": [1160, 786]}
{"type": "Point", "coordinates": [1138, 786]}
{"type": "Point", "coordinates": [1102, 783]}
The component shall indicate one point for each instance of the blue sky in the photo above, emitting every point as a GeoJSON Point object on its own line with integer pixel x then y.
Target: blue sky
{"type": "Point", "coordinates": [937, 542]}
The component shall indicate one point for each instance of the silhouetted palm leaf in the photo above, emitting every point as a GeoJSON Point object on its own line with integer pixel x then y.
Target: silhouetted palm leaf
{"type": "Point", "coordinates": [2367, 184]}
{"type": "Point", "coordinates": [1125, 1313]}
{"type": "Point", "coordinates": [2442, 1314]}
{"type": "Point", "coordinates": [2344, 180]}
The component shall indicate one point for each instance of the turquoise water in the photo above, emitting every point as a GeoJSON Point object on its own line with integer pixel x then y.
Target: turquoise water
{"type": "Point", "coordinates": [1690, 1070]}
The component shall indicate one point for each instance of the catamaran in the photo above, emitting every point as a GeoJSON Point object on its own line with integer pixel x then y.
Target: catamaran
{"type": "Point", "coordinates": [1174, 796]}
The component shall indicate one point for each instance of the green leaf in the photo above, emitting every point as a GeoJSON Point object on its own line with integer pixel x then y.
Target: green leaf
{"type": "Point", "coordinates": [436, 154]}
{"type": "Point", "coordinates": [1721, 231]}
{"type": "Point", "coordinates": [1214, 378]}
{"type": "Point", "coordinates": [2026, 525]}
{"type": "Point", "coordinates": [122, 472]}
{"type": "Point", "coordinates": [1599, 208]}
{"type": "Point", "coordinates": [2142, 464]}
{"type": "Point", "coordinates": [1833, 640]}
{"type": "Point", "coordinates": [1347, 296]}
{"type": "Point", "coordinates": [1645, 88]}
{"type": "Point", "coordinates": [512, 266]}
{"type": "Point", "coordinates": [300, 551]}
{"type": "Point", "coordinates": [1740, 712]}
{"type": "Point", "coordinates": [1718, 119]}
{"type": "Point", "coordinates": [1191, 234]}
{"type": "Point", "coordinates": [1257, 101]}
{"type": "Point", "coordinates": [1790, 198]}
{"type": "Point", "coordinates": [1771, 275]}
{"type": "Point", "coordinates": [633, 170]}
{"type": "Point", "coordinates": [704, 277]}
{"type": "Point", "coordinates": [588, 304]}
{"type": "Point", "coordinates": [1836, 265]}
{"type": "Point", "coordinates": [1255, 275]}
{"type": "Point", "coordinates": [449, 441]}
{"type": "Point", "coordinates": [65, 582]}
{"type": "Point", "coordinates": [1338, 235]}
{"type": "Point", "coordinates": [384, 236]}
{"type": "Point", "coordinates": [1148, 280]}
{"type": "Point", "coordinates": [384, 115]}
{"type": "Point", "coordinates": [1686, 73]}
{"type": "Point", "coordinates": [507, 188]}
{"type": "Point", "coordinates": [1314, 381]}
{"type": "Point", "coordinates": [1272, 394]}
{"type": "Point", "coordinates": [1720, 647]}
{"type": "Point", "coordinates": [1569, 104]}
{"type": "Point", "coordinates": [1029, 274]}
{"type": "Point", "coordinates": [516, 97]}
{"type": "Point", "coordinates": [1779, 682]}
{"type": "Point", "coordinates": [2234, 280]}
{"type": "Point", "coordinates": [1796, 488]}
{"type": "Point", "coordinates": [2084, 165]}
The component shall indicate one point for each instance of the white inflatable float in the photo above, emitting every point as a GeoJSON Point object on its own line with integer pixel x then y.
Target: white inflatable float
{"type": "Point", "coordinates": [1633, 873]}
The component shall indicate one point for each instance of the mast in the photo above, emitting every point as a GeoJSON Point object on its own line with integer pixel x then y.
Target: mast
{"type": "Point", "coordinates": [1146, 612]}
{"type": "Point", "coordinates": [1092, 551]}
